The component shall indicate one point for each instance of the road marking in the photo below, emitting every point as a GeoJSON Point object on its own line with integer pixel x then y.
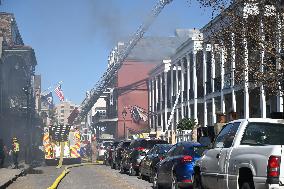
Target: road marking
{"type": "Point", "coordinates": [65, 172]}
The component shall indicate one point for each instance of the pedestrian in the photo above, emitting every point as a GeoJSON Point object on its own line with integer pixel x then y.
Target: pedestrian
{"type": "Point", "coordinates": [15, 152]}
{"type": "Point", "coordinates": [2, 153]}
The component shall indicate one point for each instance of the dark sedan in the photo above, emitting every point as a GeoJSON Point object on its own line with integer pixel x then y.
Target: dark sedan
{"type": "Point", "coordinates": [135, 153]}
{"type": "Point", "coordinates": [154, 156]}
{"type": "Point", "coordinates": [108, 153]}
{"type": "Point", "coordinates": [177, 169]}
{"type": "Point", "coordinates": [118, 153]}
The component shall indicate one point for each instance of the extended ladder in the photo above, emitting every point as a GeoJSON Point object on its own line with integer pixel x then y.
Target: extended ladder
{"type": "Point", "coordinates": [172, 114]}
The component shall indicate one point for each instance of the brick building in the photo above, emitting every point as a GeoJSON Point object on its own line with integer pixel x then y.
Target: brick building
{"type": "Point", "coordinates": [130, 85]}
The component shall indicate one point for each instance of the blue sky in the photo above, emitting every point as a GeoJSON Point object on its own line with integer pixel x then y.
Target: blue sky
{"type": "Point", "coordinates": [72, 38]}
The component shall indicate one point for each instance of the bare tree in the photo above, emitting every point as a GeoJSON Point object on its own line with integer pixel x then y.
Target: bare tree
{"type": "Point", "coordinates": [251, 34]}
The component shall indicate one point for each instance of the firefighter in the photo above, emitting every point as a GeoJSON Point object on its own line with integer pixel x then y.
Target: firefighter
{"type": "Point", "coordinates": [15, 152]}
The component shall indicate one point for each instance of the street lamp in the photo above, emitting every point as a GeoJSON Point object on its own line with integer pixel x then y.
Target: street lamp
{"type": "Point", "coordinates": [124, 113]}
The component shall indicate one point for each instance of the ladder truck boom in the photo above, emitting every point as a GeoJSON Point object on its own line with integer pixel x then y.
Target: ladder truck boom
{"type": "Point", "coordinates": [105, 81]}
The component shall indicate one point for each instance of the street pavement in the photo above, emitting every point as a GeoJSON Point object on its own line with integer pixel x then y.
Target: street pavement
{"type": "Point", "coordinates": [84, 177]}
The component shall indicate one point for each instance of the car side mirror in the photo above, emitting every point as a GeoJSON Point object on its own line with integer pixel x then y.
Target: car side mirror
{"type": "Point", "coordinates": [143, 153]}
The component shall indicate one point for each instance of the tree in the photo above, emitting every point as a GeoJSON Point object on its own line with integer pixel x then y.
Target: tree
{"type": "Point", "coordinates": [186, 124]}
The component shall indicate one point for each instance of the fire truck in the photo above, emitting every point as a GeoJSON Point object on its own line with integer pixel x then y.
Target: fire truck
{"type": "Point", "coordinates": [52, 137]}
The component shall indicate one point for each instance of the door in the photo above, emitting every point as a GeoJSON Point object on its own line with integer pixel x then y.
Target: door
{"type": "Point", "coordinates": [164, 165]}
{"type": "Point", "coordinates": [215, 158]}
{"type": "Point", "coordinates": [225, 153]}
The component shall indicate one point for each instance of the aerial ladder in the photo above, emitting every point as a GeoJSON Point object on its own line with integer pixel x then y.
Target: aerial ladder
{"type": "Point", "coordinates": [106, 80]}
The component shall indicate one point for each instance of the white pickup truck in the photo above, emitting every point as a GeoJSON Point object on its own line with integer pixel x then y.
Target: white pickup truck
{"type": "Point", "coordinates": [246, 154]}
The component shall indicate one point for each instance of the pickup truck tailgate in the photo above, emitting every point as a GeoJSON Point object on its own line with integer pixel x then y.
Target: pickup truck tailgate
{"type": "Point", "coordinates": [281, 179]}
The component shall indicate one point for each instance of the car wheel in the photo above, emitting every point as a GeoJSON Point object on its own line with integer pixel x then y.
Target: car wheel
{"type": "Point", "coordinates": [152, 175]}
{"type": "Point", "coordinates": [132, 172]}
{"type": "Point", "coordinates": [247, 185]}
{"type": "Point", "coordinates": [174, 183]}
{"type": "Point", "coordinates": [155, 181]}
{"type": "Point", "coordinates": [197, 184]}
{"type": "Point", "coordinates": [116, 166]}
{"type": "Point", "coordinates": [122, 170]}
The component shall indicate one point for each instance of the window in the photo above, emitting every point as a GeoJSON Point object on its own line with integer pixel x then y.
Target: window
{"type": "Point", "coordinates": [259, 134]}
{"type": "Point", "coordinates": [179, 150]}
{"type": "Point", "coordinates": [62, 111]}
{"type": "Point", "coordinates": [226, 136]}
{"type": "Point", "coordinates": [171, 151]}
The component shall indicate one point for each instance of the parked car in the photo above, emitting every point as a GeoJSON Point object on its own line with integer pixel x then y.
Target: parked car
{"type": "Point", "coordinates": [177, 169]}
{"type": "Point", "coordinates": [149, 162]}
{"type": "Point", "coordinates": [247, 154]}
{"type": "Point", "coordinates": [135, 153]}
{"type": "Point", "coordinates": [118, 152]}
{"type": "Point", "coordinates": [108, 153]}
{"type": "Point", "coordinates": [102, 148]}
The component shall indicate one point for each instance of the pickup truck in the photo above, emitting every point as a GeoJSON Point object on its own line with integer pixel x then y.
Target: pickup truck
{"type": "Point", "coordinates": [246, 154]}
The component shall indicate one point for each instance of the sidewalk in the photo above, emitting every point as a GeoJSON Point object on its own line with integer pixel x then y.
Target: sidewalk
{"type": "Point", "coordinates": [8, 175]}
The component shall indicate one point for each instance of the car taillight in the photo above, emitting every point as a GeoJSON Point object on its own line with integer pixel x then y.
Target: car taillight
{"type": "Point", "coordinates": [187, 181]}
{"type": "Point", "coordinates": [273, 168]}
{"type": "Point", "coordinates": [140, 149]}
{"type": "Point", "coordinates": [161, 158]}
{"type": "Point", "coordinates": [186, 159]}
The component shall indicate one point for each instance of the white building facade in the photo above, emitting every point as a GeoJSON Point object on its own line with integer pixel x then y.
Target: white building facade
{"type": "Point", "coordinates": [202, 75]}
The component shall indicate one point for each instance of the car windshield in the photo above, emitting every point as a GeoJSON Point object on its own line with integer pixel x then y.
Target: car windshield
{"type": "Point", "coordinates": [126, 144]}
{"type": "Point", "coordinates": [164, 149]}
{"type": "Point", "coordinates": [146, 143]}
{"type": "Point", "coordinates": [258, 134]}
{"type": "Point", "coordinates": [195, 151]}
{"type": "Point", "coordinates": [106, 144]}
{"type": "Point", "coordinates": [115, 144]}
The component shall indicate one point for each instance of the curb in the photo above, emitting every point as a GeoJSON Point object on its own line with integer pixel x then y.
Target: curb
{"type": "Point", "coordinates": [22, 173]}
{"type": "Point", "coordinates": [65, 172]}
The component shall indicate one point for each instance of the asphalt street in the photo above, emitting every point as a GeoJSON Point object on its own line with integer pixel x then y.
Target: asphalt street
{"type": "Point", "coordinates": [85, 177]}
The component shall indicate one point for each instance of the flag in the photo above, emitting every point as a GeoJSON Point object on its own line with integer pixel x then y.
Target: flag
{"type": "Point", "coordinates": [47, 101]}
{"type": "Point", "coordinates": [138, 114]}
{"type": "Point", "coordinates": [58, 91]}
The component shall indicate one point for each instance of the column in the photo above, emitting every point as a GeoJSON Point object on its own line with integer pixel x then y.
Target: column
{"type": "Point", "coordinates": [279, 41]}
{"type": "Point", "coordinates": [188, 83]}
{"type": "Point", "coordinates": [222, 78]}
{"type": "Point", "coordinates": [204, 85]}
{"type": "Point", "coordinates": [212, 81]}
{"type": "Point", "coordinates": [233, 67]}
{"type": "Point", "coordinates": [195, 87]}
{"type": "Point", "coordinates": [153, 103]}
{"type": "Point", "coordinates": [161, 100]}
{"type": "Point", "coordinates": [182, 86]}
{"type": "Point", "coordinates": [150, 102]}
{"type": "Point", "coordinates": [177, 91]}
{"type": "Point", "coordinates": [166, 99]}
{"type": "Point", "coordinates": [157, 100]}
{"type": "Point", "coordinates": [262, 90]}
{"type": "Point", "coordinates": [172, 85]}
{"type": "Point", "coordinates": [246, 92]}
